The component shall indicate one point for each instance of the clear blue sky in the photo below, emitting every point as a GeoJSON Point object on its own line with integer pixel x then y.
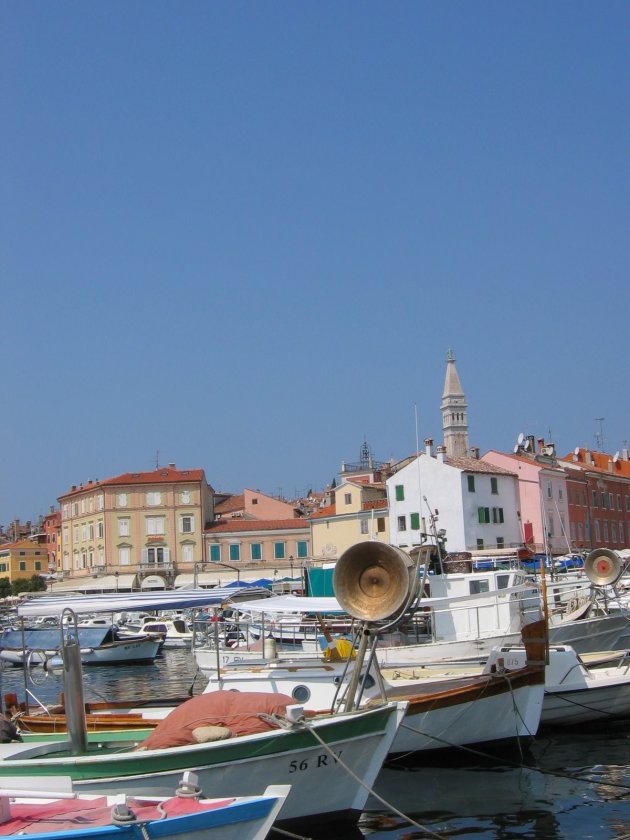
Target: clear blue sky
{"type": "Point", "coordinates": [244, 235]}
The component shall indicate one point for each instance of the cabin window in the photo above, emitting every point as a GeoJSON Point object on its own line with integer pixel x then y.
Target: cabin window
{"type": "Point", "coordinates": [503, 581]}
{"type": "Point", "coordinates": [479, 585]}
{"type": "Point", "coordinates": [400, 493]}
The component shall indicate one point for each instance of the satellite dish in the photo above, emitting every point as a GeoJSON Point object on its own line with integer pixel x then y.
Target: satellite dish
{"type": "Point", "coordinates": [576, 451]}
{"type": "Point", "coordinates": [516, 448]}
{"type": "Point", "coordinates": [520, 439]}
{"type": "Point", "coordinates": [526, 445]}
{"type": "Point", "coordinates": [615, 457]}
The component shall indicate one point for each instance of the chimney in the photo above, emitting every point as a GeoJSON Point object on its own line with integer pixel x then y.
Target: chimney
{"type": "Point", "coordinates": [474, 453]}
{"type": "Point", "coordinates": [172, 467]}
{"type": "Point", "coordinates": [541, 445]}
{"type": "Point", "coordinates": [428, 443]}
{"type": "Point", "coordinates": [530, 443]}
{"type": "Point", "coordinates": [624, 454]}
{"type": "Point", "coordinates": [440, 452]}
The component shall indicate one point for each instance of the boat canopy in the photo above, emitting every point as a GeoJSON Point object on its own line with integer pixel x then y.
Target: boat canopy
{"type": "Point", "coordinates": [178, 599]}
{"type": "Point", "coordinates": [327, 604]}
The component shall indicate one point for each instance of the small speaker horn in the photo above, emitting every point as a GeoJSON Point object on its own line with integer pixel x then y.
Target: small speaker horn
{"type": "Point", "coordinates": [603, 566]}
{"type": "Point", "coordinates": [372, 580]}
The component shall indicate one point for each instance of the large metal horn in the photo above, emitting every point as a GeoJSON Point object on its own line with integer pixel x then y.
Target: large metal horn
{"type": "Point", "coordinates": [603, 566]}
{"type": "Point", "coordinates": [372, 580]}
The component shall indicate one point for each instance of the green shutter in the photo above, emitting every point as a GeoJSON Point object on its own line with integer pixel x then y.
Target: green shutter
{"type": "Point", "coordinates": [256, 551]}
{"type": "Point", "coordinates": [400, 493]}
{"type": "Point", "coordinates": [302, 549]}
{"type": "Point", "coordinates": [414, 521]}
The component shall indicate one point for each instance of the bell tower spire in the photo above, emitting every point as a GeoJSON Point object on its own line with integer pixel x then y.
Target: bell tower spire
{"type": "Point", "coordinates": [454, 414]}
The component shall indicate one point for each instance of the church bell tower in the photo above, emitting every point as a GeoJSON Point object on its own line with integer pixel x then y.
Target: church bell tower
{"type": "Point", "coordinates": [454, 416]}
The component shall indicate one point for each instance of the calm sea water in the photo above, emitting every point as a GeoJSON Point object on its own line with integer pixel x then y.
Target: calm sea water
{"type": "Point", "coordinates": [563, 785]}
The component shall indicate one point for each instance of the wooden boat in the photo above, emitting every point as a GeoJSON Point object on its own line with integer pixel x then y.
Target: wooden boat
{"type": "Point", "coordinates": [185, 816]}
{"type": "Point", "coordinates": [304, 752]}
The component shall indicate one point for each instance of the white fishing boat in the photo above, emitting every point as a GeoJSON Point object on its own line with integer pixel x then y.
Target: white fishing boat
{"type": "Point", "coordinates": [187, 815]}
{"type": "Point", "coordinates": [175, 632]}
{"type": "Point", "coordinates": [99, 646]}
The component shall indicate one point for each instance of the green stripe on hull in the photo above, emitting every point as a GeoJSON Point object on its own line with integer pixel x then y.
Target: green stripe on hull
{"type": "Point", "coordinates": [119, 765]}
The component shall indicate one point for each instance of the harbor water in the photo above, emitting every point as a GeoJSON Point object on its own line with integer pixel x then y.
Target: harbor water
{"type": "Point", "coordinates": [562, 785]}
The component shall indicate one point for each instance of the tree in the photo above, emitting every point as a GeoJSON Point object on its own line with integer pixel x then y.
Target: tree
{"type": "Point", "coordinates": [35, 583]}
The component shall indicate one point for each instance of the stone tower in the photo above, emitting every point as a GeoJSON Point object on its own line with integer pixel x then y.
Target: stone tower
{"type": "Point", "coordinates": [454, 416]}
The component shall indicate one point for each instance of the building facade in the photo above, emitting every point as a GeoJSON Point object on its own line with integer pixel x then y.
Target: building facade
{"type": "Point", "coordinates": [136, 525]}
{"type": "Point", "coordinates": [23, 559]}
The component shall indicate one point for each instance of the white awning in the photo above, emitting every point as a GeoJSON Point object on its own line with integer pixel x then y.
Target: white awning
{"type": "Point", "coordinates": [220, 578]}
{"type": "Point", "coordinates": [105, 583]}
{"type": "Point", "coordinates": [203, 579]}
{"type": "Point", "coordinates": [153, 582]}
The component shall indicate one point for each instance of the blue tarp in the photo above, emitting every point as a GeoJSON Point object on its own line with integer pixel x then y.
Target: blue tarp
{"type": "Point", "coordinates": [50, 638]}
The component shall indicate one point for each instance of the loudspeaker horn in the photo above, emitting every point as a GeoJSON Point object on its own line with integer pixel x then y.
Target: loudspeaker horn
{"type": "Point", "coordinates": [603, 566]}
{"type": "Point", "coordinates": [372, 580]}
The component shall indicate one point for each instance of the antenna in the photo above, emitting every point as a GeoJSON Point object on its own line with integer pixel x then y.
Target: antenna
{"type": "Point", "coordinates": [600, 437]}
{"type": "Point", "coordinates": [157, 459]}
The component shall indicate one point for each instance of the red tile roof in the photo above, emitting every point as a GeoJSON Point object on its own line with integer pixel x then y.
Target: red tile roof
{"type": "Point", "coordinates": [329, 510]}
{"type": "Point", "coordinates": [602, 462]}
{"type": "Point", "coordinates": [233, 503]}
{"type": "Point", "coordinates": [163, 475]}
{"type": "Point", "coordinates": [376, 503]}
{"type": "Point", "coordinates": [240, 525]}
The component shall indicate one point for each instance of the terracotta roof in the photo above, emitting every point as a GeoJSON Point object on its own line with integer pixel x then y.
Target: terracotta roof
{"type": "Point", "coordinates": [233, 503]}
{"type": "Point", "coordinates": [163, 475]}
{"type": "Point", "coordinates": [475, 465]}
{"type": "Point", "coordinates": [374, 504]}
{"type": "Point", "coordinates": [329, 510]}
{"type": "Point", "coordinates": [602, 462]}
{"type": "Point", "coordinates": [232, 525]}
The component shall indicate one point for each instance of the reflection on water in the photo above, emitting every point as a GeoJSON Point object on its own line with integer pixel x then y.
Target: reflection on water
{"type": "Point", "coordinates": [575, 785]}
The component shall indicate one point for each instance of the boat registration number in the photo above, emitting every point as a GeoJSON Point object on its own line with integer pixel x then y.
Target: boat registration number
{"type": "Point", "coordinates": [321, 760]}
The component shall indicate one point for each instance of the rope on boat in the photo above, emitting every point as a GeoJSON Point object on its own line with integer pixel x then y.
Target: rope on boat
{"type": "Point", "coordinates": [284, 723]}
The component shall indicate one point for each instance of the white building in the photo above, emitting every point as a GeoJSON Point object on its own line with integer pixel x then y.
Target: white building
{"type": "Point", "coordinates": [477, 502]}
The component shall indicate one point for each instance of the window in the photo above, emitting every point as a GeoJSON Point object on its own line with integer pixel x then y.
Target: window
{"type": "Point", "coordinates": [186, 524]}
{"type": "Point", "coordinates": [580, 531]}
{"type": "Point", "coordinates": [627, 504]}
{"type": "Point", "coordinates": [215, 553]}
{"type": "Point", "coordinates": [157, 555]}
{"type": "Point", "coordinates": [187, 553]}
{"type": "Point", "coordinates": [605, 530]}
{"type": "Point", "coordinates": [22, 565]}
{"type": "Point", "coordinates": [123, 527]}
{"type": "Point", "coordinates": [100, 503]}
{"type": "Point", "coordinates": [597, 531]}
{"type": "Point", "coordinates": [471, 483]}
{"type": "Point", "coordinates": [414, 521]}
{"type": "Point", "coordinates": [549, 490]}
{"type": "Point", "coordinates": [477, 586]}
{"type": "Point", "coordinates": [75, 533]}
{"type": "Point", "coordinates": [278, 551]}
{"type": "Point", "coordinates": [101, 556]}
{"type": "Point", "coordinates": [254, 501]}
{"type": "Point", "coordinates": [347, 498]}
{"type": "Point", "coordinates": [595, 498]}
{"type": "Point", "coordinates": [99, 530]}
{"type": "Point", "coordinates": [65, 511]}
{"type": "Point", "coordinates": [84, 531]}
{"type": "Point", "coordinates": [605, 501]}
{"type": "Point", "coordinates": [154, 526]}
{"type": "Point", "coordinates": [618, 501]}
{"type": "Point", "coordinates": [497, 516]}
{"type": "Point", "coordinates": [380, 524]}
{"type": "Point", "coordinates": [611, 501]}
{"type": "Point", "coordinates": [38, 565]}
{"type": "Point", "coordinates": [494, 485]}
{"type": "Point", "coordinates": [91, 530]}
{"type": "Point", "coordinates": [550, 530]}
{"type": "Point", "coordinates": [302, 549]}
{"type": "Point", "coordinates": [255, 551]}
{"type": "Point", "coordinates": [484, 515]}
{"type": "Point", "coordinates": [400, 493]}
{"type": "Point", "coordinates": [123, 556]}
{"type": "Point", "coordinates": [364, 526]}
{"type": "Point", "coordinates": [621, 533]}
{"type": "Point", "coordinates": [122, 500]}
{"type": "Point", "coordinates": [154, 497]}
{"type": "Point", "coordinates": [235, 551]}
{"type": "Point", "coordinates": [560, 492]}
{"type": "Point", "coordinates": [184, 497]}
{"type": "Point", "coordinates": [402, 523]}
{"type": "Point", "coordinates": [75, 509]}
{"type": "Point", "coordinates": [82, 505]}
{"type": "Point", "coordinates": [500, 542]}
{"type": "Point", "coordinates": [613, 531]}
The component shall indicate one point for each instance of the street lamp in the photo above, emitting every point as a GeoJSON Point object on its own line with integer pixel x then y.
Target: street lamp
{"type": "Point", "coordinates": [291, 558]}
{"type": "Point", "coordinates": [116, 574]}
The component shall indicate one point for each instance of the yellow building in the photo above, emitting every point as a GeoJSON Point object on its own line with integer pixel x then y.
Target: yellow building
{"type": "Point", "coordinates": [135, 530]}
{"type": "Point", "coordinates": [358, 513]}
{"type": "Point", "coordinates": [22, 559]}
